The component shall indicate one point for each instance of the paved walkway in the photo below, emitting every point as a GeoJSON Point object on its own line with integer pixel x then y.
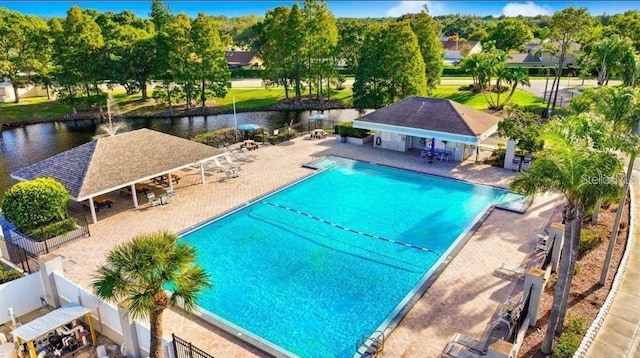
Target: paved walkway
{"type": "Point", "coordinates": [619, 335]}
{"type": "Point", "coordinates": [463, 299]}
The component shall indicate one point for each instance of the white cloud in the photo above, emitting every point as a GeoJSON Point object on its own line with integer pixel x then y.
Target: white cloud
{"type": "Point", "coordinates": [526, 9]}
{"type": "Point", "coordinates": [414, 7]}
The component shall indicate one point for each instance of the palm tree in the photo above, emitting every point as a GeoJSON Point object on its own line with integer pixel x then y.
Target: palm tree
{"type": "Point", "coordinates": [571, 165]}
{"type": "Point", "coordinates": [150, 274]}
{"type": "Point", "coordinates": [518, 76]}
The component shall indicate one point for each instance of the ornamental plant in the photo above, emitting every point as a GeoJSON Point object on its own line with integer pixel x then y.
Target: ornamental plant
{"type": "Point", "coordinates": [33, 204]}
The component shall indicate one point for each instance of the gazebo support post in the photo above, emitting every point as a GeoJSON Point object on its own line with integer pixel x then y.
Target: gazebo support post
{"type": "Point", "coordinates": [134, 194]}
{"type": "Point", "coordinates": [92, 208]}
{"type": "Point", "coordinates": [94, 341]}
{"type": "Point", "coordinates": [32, 350]}
{"type": "Point", "coordinates": [170, 182]}
{"type": "Point", "coordinates": [202, 172]}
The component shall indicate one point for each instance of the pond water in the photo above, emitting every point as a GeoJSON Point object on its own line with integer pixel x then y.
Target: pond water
{"type": "Point", "coordinates": [24, 146]}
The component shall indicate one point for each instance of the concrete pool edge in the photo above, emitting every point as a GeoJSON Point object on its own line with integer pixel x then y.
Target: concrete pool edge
{"type": "Point", "coordinates": [394, 319]}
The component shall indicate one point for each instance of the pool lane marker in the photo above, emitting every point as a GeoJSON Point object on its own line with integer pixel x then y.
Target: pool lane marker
{"type": "Point", "coordinates": [349, 229]}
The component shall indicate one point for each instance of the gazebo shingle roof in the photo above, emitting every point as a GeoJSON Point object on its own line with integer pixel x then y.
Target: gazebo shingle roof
{"type": "Point", "coordinates": [113, 162]}
{"type": "Point", "coordinates": [434, 114]}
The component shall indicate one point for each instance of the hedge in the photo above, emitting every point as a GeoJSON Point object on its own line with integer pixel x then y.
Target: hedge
{"type": "Point", "coordinates": [347, 129]}
{"type": "Point", "coordinates": [53, 230]}
{"type": "Point", "coordinates": [218, 138]}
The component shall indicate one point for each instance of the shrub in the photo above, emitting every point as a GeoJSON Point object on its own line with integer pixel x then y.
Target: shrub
{"type": "Point", "coordinates": [570, 339]}
{"type": "Point", "coordinates": [53, 230]}
{"type": "Point", "coordinates": [32, 204]}
{"type": "Point", "coordinates": [346, 129]}
{"type": "Point", "coordinates": [588, 240]}
{"type": "Point", "coordinates": [219, 137]}
{"type": "Point", "coordinates": [7, 275]}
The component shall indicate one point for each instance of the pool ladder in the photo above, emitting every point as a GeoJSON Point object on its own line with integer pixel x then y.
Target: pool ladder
{"type": "Point", "coordinates": [370, 347]}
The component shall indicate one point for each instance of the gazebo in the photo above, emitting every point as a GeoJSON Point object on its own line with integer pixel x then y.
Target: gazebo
{"type": "Point", "coordinates": [429, 123]}
{"type": "Point", "coordinates": [114, 162]}
{"type": "Point", "coordinates": [30, 331]}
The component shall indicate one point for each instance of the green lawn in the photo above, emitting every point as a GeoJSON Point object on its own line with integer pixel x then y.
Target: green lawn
{"type": "Point", "coordinates": [245, 98]}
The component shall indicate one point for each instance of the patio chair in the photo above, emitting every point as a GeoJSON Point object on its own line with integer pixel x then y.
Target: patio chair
{"type": "Point", "coordinates": [471, 343]}
{"type": "Point", "coordinates": [239, 155]}
{"type": "Point", "coordinates": [231, 163]}
{"type": "Point", "coordinates": [221, 167]}
{"type": "Point", "coordinates": [526, 163]}
{"type": "Point", "coordinates": [248, 154]}
{"type": "Point", "coordinates": [512, 271]}
{"type": "Point", "coordinates": [171, 194]}
{"type": "Point", "coordinates": [3, 338]}
{"type": "Point", "coordinates": [543, 242]}
{"type": "Point", "coordinates": [153, 200]}
{"type": "Point", "coordinates": [515, 164]}
{"type": "Point", "coordinates": [101, 351]}
{"type": "Point", "coordinates": [458, 351]}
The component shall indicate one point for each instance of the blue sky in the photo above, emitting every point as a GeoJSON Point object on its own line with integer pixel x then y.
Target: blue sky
{"type": "Point", "coordinates": [339, 8]}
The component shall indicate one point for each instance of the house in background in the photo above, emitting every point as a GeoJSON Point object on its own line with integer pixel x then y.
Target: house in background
{"type": "Point", "coordinates": [523, 60]}
{"type": "Point", "coordinates": [536, 47]}
{"type": "Point", "coordinates": [8, 95]}
{"type": "Point", "coordinates": [453, 49]}
{"type": "Point", "coordinates": [243, 59]}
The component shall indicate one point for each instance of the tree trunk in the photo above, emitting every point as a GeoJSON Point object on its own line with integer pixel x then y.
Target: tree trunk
{"type": "Point", "coordinates": [563, 271]}
{"type": "Point", "coordinates": [616, 222]}
{"type": "Point", "coordinates": [575, 245]}
{"type": "Point", "coordinates": [203, 98]}
{"type": "Point", "coordinates": [596, 211]}
{"type": "Point", "coordinates": [559, 73]}
{"type": "Point", "coordinates": [143, 88]}
{"type": "Point", "coordinates": [46, 87]}
{"type": "Point", "coordinates": [553, 84]}
{"type": "Point", "coordinates": [155, 344]}
{"type": "Point", "coordinates": [15, 92]}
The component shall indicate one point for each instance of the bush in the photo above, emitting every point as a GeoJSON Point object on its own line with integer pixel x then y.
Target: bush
{"type": "Point", "coordinates": [588, 240]}
{"type": "Point", "coordinates": [33, 204]}
{"type": "Point", "coordinates": [346, 129]}
{"type": "Point", "coordinates": [570, 339]}
{"type": "Point", "coordinates": [219, 137]}
{"type": "Point", "coordinates": [7, 275]}
{"type": "Point", "coordinates": [53, 230]}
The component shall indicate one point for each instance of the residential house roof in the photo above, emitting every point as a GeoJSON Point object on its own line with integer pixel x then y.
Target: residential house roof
{"type": "Point", "coordinates": [239, 58]}
{"type": "Point", "coordinates": [524, 58]}
{"type": "Point", "coordinates": [450, 45]}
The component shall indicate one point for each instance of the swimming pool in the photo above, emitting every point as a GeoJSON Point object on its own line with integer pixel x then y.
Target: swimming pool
{"type": "Point", "coordinates": [318, 265]}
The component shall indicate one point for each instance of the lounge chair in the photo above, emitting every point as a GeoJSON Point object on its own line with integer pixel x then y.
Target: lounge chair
{"type": "Point", "coordinates": [221, 167]}
{"type": "Point", "coordinates": [171, 194]}
{"type": "Point", "coordinates": [247, 153]}
{"type": "Point", "coordinates": [543, 242]}
{"type": "Point", "coordinates": [526, 163]}
{"type": "Point", "coordinates": [458, 351]}
{"type": "Point", "coordinates": [515, 164]}
{"type": "Point", "coordinates": [231, 163]}
{"type": "Point", "coordinates": [153, 200]}
{"type": "Point", "coordinates": [471, 343]}
{"type": "Point", "coordinates": [237, 155]}
{"type": "Point", "coordinates": [512, 271]}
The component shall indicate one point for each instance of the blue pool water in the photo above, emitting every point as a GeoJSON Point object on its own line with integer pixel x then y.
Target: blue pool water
{"type": "Point", "coordinates": [282, 270]}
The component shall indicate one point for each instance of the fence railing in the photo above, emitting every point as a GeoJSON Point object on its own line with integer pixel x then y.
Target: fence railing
{"type": "Point", "coordinates": [20, 257]}
{"type": "Point", "coordinates": [35, 248]}
{"type": "Point", "coordinates": [519, 320]}
{"type": "Point", "coordinates": [184, 349]}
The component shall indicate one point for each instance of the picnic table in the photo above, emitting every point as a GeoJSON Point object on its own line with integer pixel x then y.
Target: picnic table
{"type": "Point", "coordinates": [99, 201]}
{"type": "Point", "coordinates": [249, 144]}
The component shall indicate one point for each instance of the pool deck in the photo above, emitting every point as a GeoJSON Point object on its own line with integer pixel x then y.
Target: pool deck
{"type": "Point", "coordinates": [463, 299]}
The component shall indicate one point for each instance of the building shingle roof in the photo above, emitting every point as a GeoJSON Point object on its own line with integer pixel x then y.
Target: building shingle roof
{"type": "Point", "coordinates": [434, 114]}
{"type": "Point", "coordinates": [113, 162]}
{"type": "Point", "coordinates": [451, 45]}
{"type": "Point", "coordinates": [238, 58]}
{"type": "Point", "coordinates": [525, 58]}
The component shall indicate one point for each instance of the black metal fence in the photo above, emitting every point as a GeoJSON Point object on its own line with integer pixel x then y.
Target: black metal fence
{"type": "Point", "coordinates": [26, 246]}
{"type": "Point", "coordinates": [20, 257]}
{"type": "Point", "coordinates": [523, 311]}
{"type": "Point", "coordinates": [184, 349]}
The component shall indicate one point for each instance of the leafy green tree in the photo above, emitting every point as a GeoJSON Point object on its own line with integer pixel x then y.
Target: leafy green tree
{"type": "Point", "coordinates": [628, 25]}
{"type": "Point", "coordinates": [567, 27]}
{"type": "Point", "coordinates": [351, 37]}
{"type": "Point", "coordinates": [32, 204]}
{"type": "Point", "coordinates": [390, 67]}
{"type": "Point", "coordinates": [210, 62]}
{"type": "Point", "coordinates": [509, 34]}
{"type": "Point", "coordinates": [24, 48]}
{"type": "Point", "coordinates": [276, 53]}
{"type": "Point", "coordinates": [150, 274]}
{"type": "Point", "coordinates": [161, 16]}
{"type": "Point", "coordinates": [77, 45]}
{"type": "Point", "coordinates": [295, 58]}
{"type": "Point", "coordinates": [610, 56]}
{"type": "Point", "coordinates": [320, 44]}
{"type": "Point", "coordinates": [427, 32]}
{"type": "Point", "coordinates": [182, 59]}
{"type": "Point", "coordinates": [522, 127]}
{"type": "Point", "coordinates": [568, 164]}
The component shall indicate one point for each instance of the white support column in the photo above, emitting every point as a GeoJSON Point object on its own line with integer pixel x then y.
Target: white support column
{"type": "Point", "coordinates": [92, 208]}
{"type": "Point", "coordinates": [510, 154]}
{"type": "Point", "coordinates": [134, 194]}
{"type": "Point", "coordinates": [202, 172]}
{"type": "Point", "coordinates": [556, 233]}
{"type": "Point", "coordinates": [170, 181]}
{"type": "Point", "coordinates": [50, 263]}
{"type": "Point", "coordinates": [500, 349]}
{"type": "Point", "coordinates": [535, 279]}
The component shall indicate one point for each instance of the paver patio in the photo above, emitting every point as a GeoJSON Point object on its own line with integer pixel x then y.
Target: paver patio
{"type": "Point", "coordinates": [463, 299]}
